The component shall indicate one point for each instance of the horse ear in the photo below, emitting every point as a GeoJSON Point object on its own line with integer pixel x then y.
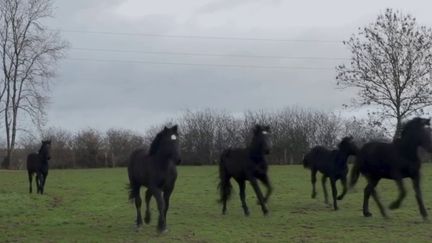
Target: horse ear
{"type": "Point", "coordinates": [175, 128]}
{"type": "Point", "coordinates": [257, 128]}
{"type": "Point", "coordinates": [427, 121]}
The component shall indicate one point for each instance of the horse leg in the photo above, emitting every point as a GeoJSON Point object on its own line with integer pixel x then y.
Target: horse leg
{"type": "Point", "coordinates": [344, 188]}
{"type": "Point", "coordinates": [378, 202]}
{"type": "Point", "coordinates": [167, 195]}
{"type": "Point", "coordinates": [138, 202]}
{"type": "Point", "coordinates": [368, 191]}
{"type": "Point", "coordinates": [242, 186]}
{"type": "Point", "coordinates": [147, 216]}
{"type": "Point", "coordinates": [259, 194]}
{"type": "Point", "coordinates": [313, 180]}
{"type": "Point", "coordinates": [226, 190]}
{"type": "Point", "coordinates": [44, 176]}
{"type": "Point", "coordinates": [161, 208]}
{"type": "Point", "coordinates": [265, 180]}
{"type": "Point", "coordinates": [38, 179]}
{"type": "Point", "coordinates": [402, 193]}
{"type": "Point", "coordinates": [419, 197]}
{"type": "Point", "coordinates": [334, 192]}
{"type": "Point", "coordinates": [30, 177]}
{"type": "Point", "coordinates": [323, 182]}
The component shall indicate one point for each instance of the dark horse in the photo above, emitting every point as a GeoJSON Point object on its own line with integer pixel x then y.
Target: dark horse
{"type": "Point", "coordinates": [38, 163]}
{"type": "Point", "coordinates": [332, 164]}
{"type": "Point", "coordinates": [395, 161]}
{"type": "Point", "coordinates": [157, 171]}
{"type": "Point", "coordinates": [246, 164]}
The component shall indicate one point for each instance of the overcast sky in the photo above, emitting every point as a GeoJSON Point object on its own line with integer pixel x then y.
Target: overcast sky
{"type": "Point", "coordinates": [126, 67]}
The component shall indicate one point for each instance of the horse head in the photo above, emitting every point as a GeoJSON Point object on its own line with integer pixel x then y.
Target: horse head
{"type": "Point", "coordinates": [45, 150]}
{"type": "Point", "coordinates": [347, 145]}
{"type": "Point", "coordinates": [417, 132]}
{"type": "Point", "coordinates": [261, 138]}
{"type": "Point", "coordinates": [166, 143]}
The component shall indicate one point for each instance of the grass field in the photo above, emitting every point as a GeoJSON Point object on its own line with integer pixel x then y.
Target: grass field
{"type": "Point", "coordinates": [91, 206]}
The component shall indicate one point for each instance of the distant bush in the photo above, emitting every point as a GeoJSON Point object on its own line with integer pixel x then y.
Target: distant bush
{"type": "Point", "coordinates": [204, 135]}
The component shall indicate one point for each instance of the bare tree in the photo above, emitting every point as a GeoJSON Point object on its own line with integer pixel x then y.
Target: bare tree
{"type": "Point", "coordinates": [120, 144]}
{"type": "Point", "coordinates": [390, 66]}
{"type": "Point", "coordinates": [28, 52]}
{"type": "Point", "coordinates": [88, 147]}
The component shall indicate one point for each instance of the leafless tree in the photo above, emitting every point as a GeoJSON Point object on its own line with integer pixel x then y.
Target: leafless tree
{"type": "Point", "coordinates": [120, 144]}
{"type": "Point", "coordinates": [88, 148]}
{"type": "Point", "coordinates": [28, 53]}
{"type": "Point", "coordinates": [390, 66]}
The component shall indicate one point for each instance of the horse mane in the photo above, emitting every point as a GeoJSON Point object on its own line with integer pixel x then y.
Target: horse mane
{"type": "Point", "coordinates": [154, 146]}
{"type": "Point", "coordinates": [411, 126]}
{"type": "Point", "coordinates": [42, 147]}
{"type": "Point", "coordinates": [40, 150]}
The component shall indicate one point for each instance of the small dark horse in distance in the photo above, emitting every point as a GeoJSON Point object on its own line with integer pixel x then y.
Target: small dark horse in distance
{"type": "Point", "coordinates": [246, 164]}
{"type": "Point", "coordinates": [332, 164]}
{"type": "Point", "coordinates": [157, 171]}
{"type": "Point", "coordinates": [37, 163]}
{"type": "Point", "coordinates": [395, 161]}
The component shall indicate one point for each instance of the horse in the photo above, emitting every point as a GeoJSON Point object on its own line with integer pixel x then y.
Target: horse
{"type": "Point", "coordinates": [38, 163]}
{"type": "Point", "coordinates": [246, 164]}
{"type": "Point", "coordinates": [155, 170]}
{"type": "Point", "coordinates": [394, 161]}
{"type": "Point", "coordinates": [332, 164]}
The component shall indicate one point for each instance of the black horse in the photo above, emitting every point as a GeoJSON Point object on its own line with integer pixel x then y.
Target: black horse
{"type": "Point", "coordinates": [38, 163]}
{"type": "Point", "coordinates": [157, 171]}
{"type": "Point", "coordinates": [246, 164]}
{"type": "Point", "coordinates": [395, 161]}
{"type": "Point", "coordinates": [332, 164]}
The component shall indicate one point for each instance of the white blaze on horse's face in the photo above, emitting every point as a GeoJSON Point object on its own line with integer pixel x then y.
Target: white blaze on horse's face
{"type": "Point", "coordinates": [173, 137]}
{"type": "Point", "coordinates": [264, 132]}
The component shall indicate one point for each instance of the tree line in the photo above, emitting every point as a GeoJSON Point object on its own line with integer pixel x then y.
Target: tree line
{"type": "Point", "coordinates": [204, 134]}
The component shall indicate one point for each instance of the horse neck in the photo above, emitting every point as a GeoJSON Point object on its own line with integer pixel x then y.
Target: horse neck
{"type": "Point", "coordinates": [163, 157]}
{"type": "Point", "coordinates": [43, 158]}
{"type": "Point", "coordinates": [256, 152]}
{"type": "Point", "coordinates": [407, 149]}
{"type": "Point", "coordinates": [342, 156]}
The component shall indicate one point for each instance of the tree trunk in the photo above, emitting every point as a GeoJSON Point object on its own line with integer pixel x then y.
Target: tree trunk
{"type": "Point", "coordinates": [398, 128]}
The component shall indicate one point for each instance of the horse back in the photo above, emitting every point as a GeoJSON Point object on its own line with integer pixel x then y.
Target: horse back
{"type": "Point", "coordinates": [33, 162]}
{"type": "Point", "coordinates": [144, 169]}
{"type": "Point", "coordinates": [318, 157]}
{"type": "Point", "coordinates": [237, 162]}
{"type": "Point", "coordinates": [381, 159]}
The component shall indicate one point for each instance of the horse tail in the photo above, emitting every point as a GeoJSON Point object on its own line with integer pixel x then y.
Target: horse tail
{"type": "Point", "coordinates": [355, 173]}
{"type": "Point", "coordinates": [224, 186]}
{"type": "Point", "coordinates": [306, 161]}
{"type": "Point", "coordinates": [133, 191]}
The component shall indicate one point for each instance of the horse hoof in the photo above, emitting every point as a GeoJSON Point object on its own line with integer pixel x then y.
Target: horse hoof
{"type": "Point", "coordinates": [313, 195]}
{"type": "Point", "coordinates": [367, 214]}
{"type": "Point", "coordinates": [394, 206]}
{"type": "Point", "coordinates": [340, 198]}
{"type": "Point", "coordinates": [162, 230]}
{"type": "Point", "coordinates": [265, 212]}
{"type": "Point", "coordinates": [147, 219]}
